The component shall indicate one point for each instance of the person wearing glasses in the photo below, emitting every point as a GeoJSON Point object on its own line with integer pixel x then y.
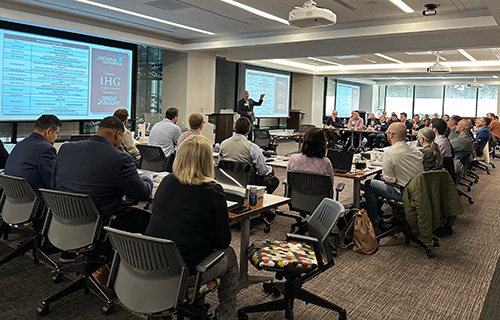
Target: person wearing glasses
{"type": "Point", "coordinates": [400, 163]}
{"type": "Point", "coordinates": [196, 123]}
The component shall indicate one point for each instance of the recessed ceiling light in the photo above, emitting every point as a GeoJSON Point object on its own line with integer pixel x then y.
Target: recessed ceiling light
{"type": "Point", "coordinates": [104, 6]}
{"type": "Point", "coordinates": [495, 77]}
{"type": "Point", "coordinates": [403, 6]}
{"type": "Point", "coordinates": [395, 78]}
{"type": "Point", "coordinates": [466, 54]}
{"type": "Point", "coordinates": [325, 61]}
{"type": "Point", "coordinates": [387, 58]}
{"type": "Point", "coordinates": [256, 11]}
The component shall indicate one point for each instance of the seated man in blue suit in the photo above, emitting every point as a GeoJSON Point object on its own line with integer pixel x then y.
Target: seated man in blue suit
{"type": "Point", "coordinates": [33, 158]}
{"type": "Point", "coordinates": [98, 168]}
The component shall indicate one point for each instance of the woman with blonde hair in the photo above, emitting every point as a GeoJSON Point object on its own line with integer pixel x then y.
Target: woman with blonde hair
{"type": "Point", "coordinates": [190, 209]}
{"type": "Point", "coordinates": [432, 156]}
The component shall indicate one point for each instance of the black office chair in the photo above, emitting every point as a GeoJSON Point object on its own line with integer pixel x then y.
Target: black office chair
{"type": "Point", "coordinates": [244, 174]}
{"type": "Point", "coordinates": [465, 160]}
{"type": "Point", "coordinates": [298, 259]}
{"type": "Point", "coordinates": [262, 138]}
{"type": "Point", "coordinates": [152, 157]}
{"type": "Point", "coordinates": [149, 276]}
{"type": "Point", "coordinates": [21, 210]}
{"type": "Point", "coordinates": [73, 224]}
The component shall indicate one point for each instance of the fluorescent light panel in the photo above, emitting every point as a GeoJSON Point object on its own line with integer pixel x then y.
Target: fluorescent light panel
{"type": "Point", "coordinates": [466, 54]}
{"type": "Point", "coordinates": [324, 61]}
{"type": "Point", "coordinates": [495, 77]}
{"type": "Point", "coordinates": [256, 11]}
{"type": "Point", "coordinates": [388, 58]}
{"type": "Point", "coordinates": [100, 5]}
{"type": "Point", "coordinates": [403, 6]}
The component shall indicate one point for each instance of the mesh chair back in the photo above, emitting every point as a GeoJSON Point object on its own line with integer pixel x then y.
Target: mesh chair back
{"type": "Point", "coordinates": [152, 157]}
{"type": "Point", "coordinates": [74, 222]}
{"type": "Point", "coordinates": [244, 173]}
{"type": "Point", "coordinates": [20, 203]}
{"type": "Point", "coordinates": [262, 138]}
{"type": "Point", "coordinates": [321, 222]}
{"type": "Point", "coordinates": [307, 190]}
{"type": "Point", "coordinates": [151, 275]}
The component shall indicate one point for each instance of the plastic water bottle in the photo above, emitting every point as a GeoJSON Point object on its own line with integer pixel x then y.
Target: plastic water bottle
{"type": "Point", "coordinates": [252, 196]}
{"type": "Point", "coordinates": [217, 147]}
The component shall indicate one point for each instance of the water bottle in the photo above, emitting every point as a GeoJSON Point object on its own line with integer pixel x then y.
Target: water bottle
{"type": "Point", "coordinates": [252, 196]}
{"type": "Point", "coordinates": [217, 147]}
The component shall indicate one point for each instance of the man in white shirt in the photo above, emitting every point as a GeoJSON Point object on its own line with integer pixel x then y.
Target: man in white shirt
{"type": "Point", "coordinates": [166, 132]}
{"type": "Point", "coordinates": [400, 164]}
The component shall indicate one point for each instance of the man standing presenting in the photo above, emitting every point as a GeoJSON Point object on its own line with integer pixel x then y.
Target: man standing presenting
{"type": "Point", "coordinates": [98, 168]}
{"type": "Point", "coordinates": [239, 149]}
{"type": "Point", "coordinates": [196, 124]}
{"type": "Point", "coordinates": [166, 132]}
{"type": "Point", "coordinates": [400, 164]}
{"type": "Point", "coordinates": [34, 157]}
{"type": "Point", "coordinates": [245, 109]}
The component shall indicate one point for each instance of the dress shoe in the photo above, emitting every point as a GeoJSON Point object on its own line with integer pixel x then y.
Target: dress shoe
{"type": "Point", "coordinates": [101, 275]}
{"type": "Point", "coordinates": [395, 219]}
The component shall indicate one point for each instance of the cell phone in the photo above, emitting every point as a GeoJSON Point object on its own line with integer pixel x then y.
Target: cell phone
{"type": "Point", "coordinates": [240, 210]}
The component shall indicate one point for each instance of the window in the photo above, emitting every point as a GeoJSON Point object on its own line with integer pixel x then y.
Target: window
{"type": "Point", "coordinates": [149, 81]}
{"type": "Point", "coordinates": [399, 99]}
{"type": "Point", "coordinates": [428, 100]}
{"type": "Point", "coordinates": [460, 100]}
{"type": "Point", "coordinates": [487, 100]}
{"type": "Point", "coordinates": [330, 96]}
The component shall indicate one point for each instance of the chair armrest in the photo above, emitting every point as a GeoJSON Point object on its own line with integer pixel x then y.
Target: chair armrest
{"type": "Point", "coordinates": [210, 261]}
{"type": "Point", "coordinates": [340, 186]}
{"type": "Point", "coordinates": [114, 268]}
{"type": "Point", "coordinates": [302, 238]}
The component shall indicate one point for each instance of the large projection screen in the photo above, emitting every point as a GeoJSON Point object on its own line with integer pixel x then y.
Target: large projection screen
{"type": "Point", "coordinates": [275, 86]}
{"type": "Point", "coordinates": [72, 76]}
{"type": "Point", "coordinates": [347, 99]}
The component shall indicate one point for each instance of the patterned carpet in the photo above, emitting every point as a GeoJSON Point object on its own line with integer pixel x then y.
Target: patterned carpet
{"type": "Point", "coordinates": [397, 282]}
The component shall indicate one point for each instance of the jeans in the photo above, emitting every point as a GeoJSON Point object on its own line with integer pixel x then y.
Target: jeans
{"type": "Point", "coordinates": [375, 188]}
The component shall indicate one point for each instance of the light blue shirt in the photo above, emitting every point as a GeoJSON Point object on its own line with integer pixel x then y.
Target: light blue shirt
{"type": "Point", "coordinates": [165, 135]}
{"type": "Point", "coordinates": [257, 158]}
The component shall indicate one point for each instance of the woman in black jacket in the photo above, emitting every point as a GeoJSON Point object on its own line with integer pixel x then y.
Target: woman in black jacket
{"type": "Point", "coordinates": [190, 209]}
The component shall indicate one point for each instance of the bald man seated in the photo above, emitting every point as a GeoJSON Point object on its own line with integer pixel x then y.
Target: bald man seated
{"type": "Point", "coordinates": [400, 163]}
{"type": "Point", "coordinates": [98, 168]}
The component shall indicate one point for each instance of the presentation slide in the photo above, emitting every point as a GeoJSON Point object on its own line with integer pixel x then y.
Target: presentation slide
{"type": "Point", "coordinates": [347, 99]}
{"type": "Point", "coordinates": [73, 80]}
{"type": "Point", "coordinates": [276, 88]}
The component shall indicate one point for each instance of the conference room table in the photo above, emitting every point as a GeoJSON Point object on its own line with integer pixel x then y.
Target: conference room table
{"type": "Point", "coordinates": [355, 175]}
{"type": "Point", "coordinates": [287, 134]}
{"type": "Point", "coordinates": [269, 201]}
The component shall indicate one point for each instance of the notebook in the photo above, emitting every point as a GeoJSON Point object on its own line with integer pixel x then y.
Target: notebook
{"type": "Point", "coordinates": [341, 160]}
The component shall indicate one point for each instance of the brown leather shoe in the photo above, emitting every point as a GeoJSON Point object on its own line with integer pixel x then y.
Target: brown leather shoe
{"type": "Point", "coordinates": [101, 275]}
{"type": "Point", "coordinates": [395, 219]}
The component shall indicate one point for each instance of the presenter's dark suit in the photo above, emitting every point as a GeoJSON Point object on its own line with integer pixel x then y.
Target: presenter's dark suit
{"type": "Point", "coordinates": [95, 167]}
{"type": "Point", "coordinates": [243, 108]}
{"type": "Point", "coordinates": [32, 159]}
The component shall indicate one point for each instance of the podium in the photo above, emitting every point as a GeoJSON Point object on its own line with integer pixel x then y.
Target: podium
{"type": "Point", "coordinates": [223, 125]}
{"type": "Point", "coordinates": [295, 119]}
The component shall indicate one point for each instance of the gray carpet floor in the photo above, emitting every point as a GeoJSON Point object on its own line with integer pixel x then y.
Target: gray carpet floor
{"type": "Point", "coordinates": [397, 282]}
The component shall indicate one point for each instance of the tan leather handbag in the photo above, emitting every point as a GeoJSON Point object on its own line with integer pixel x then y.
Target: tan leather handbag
{"type": "Point", "coordinates": [364, 234]}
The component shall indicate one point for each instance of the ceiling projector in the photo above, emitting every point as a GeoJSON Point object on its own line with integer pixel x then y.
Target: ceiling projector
{"type": "Point", "coordinates": [437, 67]}
{"type": "Point", "coordinates": [475, 84]}
{"type": "Point", "coordinates": [311, 16]}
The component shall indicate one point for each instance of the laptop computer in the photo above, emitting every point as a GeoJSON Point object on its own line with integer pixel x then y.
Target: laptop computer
{"type": "Point", "coordinates": [341, 160]}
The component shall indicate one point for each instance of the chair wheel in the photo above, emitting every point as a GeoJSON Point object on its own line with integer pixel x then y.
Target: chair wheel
{"type": "Point", "coordinates": [435, 243]}
{"type": "Point", "coordinates": [488, 172]}
{"type": "Point", "coordinates": [429, 253]}
{"type": "Point", "coordinates": [268, 287]}
{"type": "Point", "coordinates": [108, 309]}
{"type": "Point", "coordinates": [56, 278]}
{"type": "Point", "coordinates": [267, 229]}
{"type": "Point", "coordinates": [43, 310]}
{"type": "Point", "coordinates": [242, 316]}
{"type": "Point", "coordinates": [469, 189]}
{"type": "Point", "coordinates": [471, 201]}
{"type": "Point", "coordinates": [342, 315]}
